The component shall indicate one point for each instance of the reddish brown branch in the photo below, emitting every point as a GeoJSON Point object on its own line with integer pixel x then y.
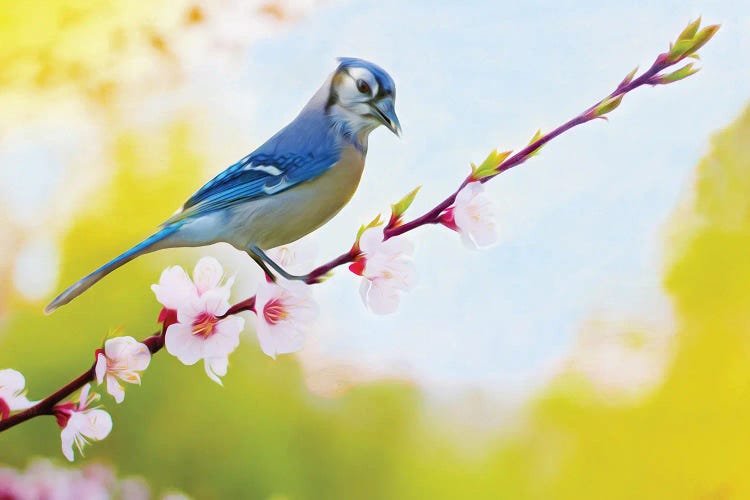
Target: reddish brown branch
{"type": "Point", "coordinates": [47, 405]}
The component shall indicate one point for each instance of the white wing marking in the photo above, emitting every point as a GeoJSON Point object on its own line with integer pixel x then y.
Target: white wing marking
{"type": "Point", "coordinates": [269, 169]}
{"type": "Point", "coordinates": [282, 184]}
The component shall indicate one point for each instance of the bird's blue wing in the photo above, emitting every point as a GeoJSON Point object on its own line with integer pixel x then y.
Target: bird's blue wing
{"type": "Point", "coordinates": [255, 176]}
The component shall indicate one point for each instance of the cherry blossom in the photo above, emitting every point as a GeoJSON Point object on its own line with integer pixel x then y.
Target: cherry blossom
{"type": "Point", "coordinates": [297, 257]}
{"type": "Point", "coordinates": [386, 270]}
{"type": "Point", "coordinates": [175, 288]}
{"type": "Point", "coordinates": [122, 358]}
{"type": "Point", "coordinates": [200, 331]}
{"type": "Point", "coordinates": [44, 479]}
{"type": "Point", "coordinates": [12, 394]}
{"type": "Point", "coordinates": [472, 217]}
{"type": "Point", "coordinates": [81, 423]}
{"type": "Point", "coordinates": [285, 309]}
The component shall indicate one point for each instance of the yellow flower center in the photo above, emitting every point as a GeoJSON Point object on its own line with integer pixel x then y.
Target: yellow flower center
{"type": "Point", "coordinates": [204, 325]}
{"type": "Point", "coordinates": [274, 311]}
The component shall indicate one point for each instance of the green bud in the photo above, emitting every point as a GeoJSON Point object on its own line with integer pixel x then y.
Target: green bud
{"type": "Point", "coordinates": [690, 31]}
{"type": "Point", "coordinates": [628, 78]}
{"type": "Point", "coordinates": [679, 49]}
{"type": "Point", "coordinates": [681, 73]}
{"type": "Point", "coordinates": [686, 47]}
{"type": "Point", "coordinates": [398, 209]}
{"type": "Point", "coordinates": [703, 37]}
{"type": "Point", "coordinates": [538, 135]}
{"type": "Point", "coordinates": [488, 168]}
{"type": "Point", "coordinates": [607, 105]}
{"type": "Point", "coordinates": [373, 223]}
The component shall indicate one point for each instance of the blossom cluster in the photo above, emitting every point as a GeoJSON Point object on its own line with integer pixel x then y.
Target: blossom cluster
{"type": "Point", "coordinates": [384, 262]}
{"type": "Point", "coordinates": [200, 324]}
{"type": "Point", "coordinates": [44, 480]}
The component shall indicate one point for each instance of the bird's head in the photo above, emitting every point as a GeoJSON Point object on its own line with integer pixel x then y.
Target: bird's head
{"type": "Point", "coordinates": [362, 96]}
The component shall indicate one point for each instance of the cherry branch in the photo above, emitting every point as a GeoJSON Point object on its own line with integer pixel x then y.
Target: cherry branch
{"type": "Point", "coordinates": [688, 42]}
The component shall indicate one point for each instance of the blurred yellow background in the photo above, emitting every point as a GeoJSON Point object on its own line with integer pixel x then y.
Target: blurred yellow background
{"type": "Point", "coordinates": [265, 434]}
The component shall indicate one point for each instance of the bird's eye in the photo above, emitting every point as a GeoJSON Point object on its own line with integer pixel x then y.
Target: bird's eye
{"type": "Point", "coordinates": [363, 87]}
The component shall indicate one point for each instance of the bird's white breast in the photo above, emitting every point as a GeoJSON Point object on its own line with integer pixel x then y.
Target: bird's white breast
{"type": "Point", "coordinates": [287, 216]}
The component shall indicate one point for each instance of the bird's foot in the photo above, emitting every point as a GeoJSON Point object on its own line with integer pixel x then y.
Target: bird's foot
{"type": "Point", "coordinates": [261, 258]}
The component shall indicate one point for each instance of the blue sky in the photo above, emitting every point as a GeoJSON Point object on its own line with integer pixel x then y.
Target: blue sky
{"type": "Point", "coordinates": [581, 225]}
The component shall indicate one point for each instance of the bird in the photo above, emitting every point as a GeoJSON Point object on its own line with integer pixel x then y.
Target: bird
{"type": "Point", "coordinates": [291, 185]}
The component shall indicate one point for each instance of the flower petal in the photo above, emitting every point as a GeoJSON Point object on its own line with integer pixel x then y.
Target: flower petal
{"type": "Point", "coordinates": [473, 216]}
{"type": "Point", "coordinates": [215, 301]}
{"type": "Point", "coordinates": [175, 288]}
{"type": "Point", "coordinates": [11, 381]}
{"type": "Point", "coordinates": [67, 436]}
{"type": "Point", "coordinates": [371, 239]}
{"type": "Point", "coordinates": [98, 424]}
{"type": "Point", "coordinates": [83, 398]}
{"type": "Point", "coordinates": [127, 353]}
{"type": "Point", "coordinates": [101, 367]}
{"type": "Point", "coordinates": [382, 298]}
{"type": "Point", "coordinates": [140, 357]}
{"type": "Point", "coordinates": [181, 342]}
{"type": "Point", "coordinates": [115, 389]}
{"type": "Point", "coordinates": [215, 368]}
{"type": "Point", "coordinates": [283, 339]}
{"type": "Point", "coordinates": [225, 338]}
{"type": "Point", "coordinates": [297, 257]}
{"type": "Point", "coordinates": [396, 247]}
{"type": "Point", "coordinates": [207, 274]}
{"type": "Point", "coordinates": [297, 309]}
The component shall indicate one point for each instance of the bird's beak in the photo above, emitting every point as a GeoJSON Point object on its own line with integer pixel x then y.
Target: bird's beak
{"type": "Point", "coordinates": [385, 111]}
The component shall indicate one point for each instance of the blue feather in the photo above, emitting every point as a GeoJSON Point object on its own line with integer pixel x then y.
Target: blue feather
{"type": "Point", "coordinates": [301, 151]}
{"type": "Point", "coordinates": [386, 86]}
{"type": "Point", "coordinates": [88, 281]}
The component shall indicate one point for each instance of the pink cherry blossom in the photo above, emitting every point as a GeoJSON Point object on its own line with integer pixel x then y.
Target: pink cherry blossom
{"type": "Point", "coordinates": [81, 423]}
{"type": "Point", "coordinates": [472, 216]}
{"type": "Point", "coordinates": [297, 257]}
{"type": "Point", "coordinates": [386, 270]}
{"type": "Point", "coordinates": [200, 331]}
{"type": "Point", "coordinates": [175, 288]}
{"type": "Point", "coordinates": [45, 480]}
{"type": "Point", "coordinates": [12, 484]}
{"type": "Point", "coordinates": [12, 394]}
{"type": "Point", "coordinates": [122, 358]}
{"type": "Point", "coordinates": [285, 309]}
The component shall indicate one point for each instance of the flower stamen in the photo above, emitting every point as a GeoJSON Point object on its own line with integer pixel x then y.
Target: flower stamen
{"type": "Point", "coordinates": [275, 311]}
{"type": "Point", "coordinates": [204, 325]}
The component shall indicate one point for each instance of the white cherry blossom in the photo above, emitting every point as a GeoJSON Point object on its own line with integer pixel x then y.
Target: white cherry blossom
{"type": "Point", "coordinates": [12, 393]}
{"type": "Point", "coordinates": [201, 332]}
{"type": "Point", "coordinates": [386, 270]}
{"type": "Point", "coordinates": [472, 216]}
{"type": "Point", "coordinates": [175, 288]}
{"type": "Point", "coordinates": [122, 358]}
{"type": "Point", "coordinates": [297, 257]}
{"type": "Point", "coordinates": [285, 310]}
{"type": "Point", "coordinates": [81, 423]}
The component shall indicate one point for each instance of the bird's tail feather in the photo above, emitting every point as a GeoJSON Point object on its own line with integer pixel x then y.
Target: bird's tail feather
{"type": "Point", "coordinates": [73, 291]}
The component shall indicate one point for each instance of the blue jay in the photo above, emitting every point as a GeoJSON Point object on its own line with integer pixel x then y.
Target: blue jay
{"type": "Point", "coordinates": [288, 187]}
